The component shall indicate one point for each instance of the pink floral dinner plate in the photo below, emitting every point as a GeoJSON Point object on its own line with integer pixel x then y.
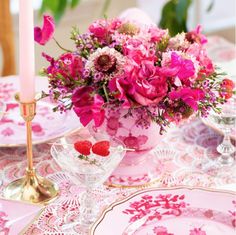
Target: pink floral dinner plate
{"type": "Point", "coordinates": [174, 211]}
{"type": "Point", "coordinates": [15, 216]}
{"type": "Point", "coordinates": [46, 125]}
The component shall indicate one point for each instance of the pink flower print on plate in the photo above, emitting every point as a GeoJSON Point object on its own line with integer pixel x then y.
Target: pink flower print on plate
{"type": "Point", "coordinates": [161, 230]}
{"type": "Point", "coordinates": [7, 132]}
{"type": "Point", "coordinates": [3, 223]}
{"type": "Point", "coordinates": [170, 212]}
{"type": "Point", "coordinates": [197, 231]}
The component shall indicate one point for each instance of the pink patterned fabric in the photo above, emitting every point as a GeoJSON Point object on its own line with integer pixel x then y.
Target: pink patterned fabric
{"type": "Point", "coordinates": [191, 140]}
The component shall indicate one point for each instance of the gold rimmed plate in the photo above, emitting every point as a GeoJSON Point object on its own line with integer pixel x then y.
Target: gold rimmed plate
{"type": "Point", "coordinates": [179, 210]}
{"type": "Point", "coordinates": [17, 216]}
{"type": "Point", "coordinates": [47, 125]}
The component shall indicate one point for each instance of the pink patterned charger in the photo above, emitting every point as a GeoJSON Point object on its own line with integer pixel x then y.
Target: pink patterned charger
{"type": "Point", "coordinates": [46, 125]}
{"type": "Point", "coordinates": [15, 216]}
{"type": "Point", "coordinates": [175, 211]}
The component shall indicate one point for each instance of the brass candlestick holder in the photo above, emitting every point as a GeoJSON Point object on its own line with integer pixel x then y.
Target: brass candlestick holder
{"type": "Point", "coordinates": [31, 188]}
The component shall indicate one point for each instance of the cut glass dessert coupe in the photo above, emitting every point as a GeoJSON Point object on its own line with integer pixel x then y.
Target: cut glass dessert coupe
{"type": "Point", "coordinates": [226, 122]}
{"type": "Point", "coordinates": [89, 171]}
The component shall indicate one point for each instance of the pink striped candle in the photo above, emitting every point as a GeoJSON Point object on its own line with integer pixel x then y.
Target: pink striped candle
{"type": "Point", "coordinates": [26, 51]}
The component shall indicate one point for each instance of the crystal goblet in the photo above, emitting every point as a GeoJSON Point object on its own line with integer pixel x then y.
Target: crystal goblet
{"type": "Point", "coordinates": [225, 121]}
{"type": "Point", "coordinates": [90, 172]}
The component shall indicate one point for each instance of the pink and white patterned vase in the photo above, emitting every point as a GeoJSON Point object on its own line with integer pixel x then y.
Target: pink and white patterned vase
{"type": "Point", "coordinates": [137, 133]}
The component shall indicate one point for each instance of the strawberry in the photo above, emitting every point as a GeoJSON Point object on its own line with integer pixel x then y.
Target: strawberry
{"type": "Point", "coordinates": [101, 148]}
{"type": "Point", "coordinates": [83, 146]}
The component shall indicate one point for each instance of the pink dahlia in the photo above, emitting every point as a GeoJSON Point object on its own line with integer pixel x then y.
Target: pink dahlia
{"type": "Point", "coordinates": [107, 61]}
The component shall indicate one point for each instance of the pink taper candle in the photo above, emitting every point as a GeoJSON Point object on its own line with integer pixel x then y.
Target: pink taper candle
{"type": "Point", "coordinates": [26, 50]}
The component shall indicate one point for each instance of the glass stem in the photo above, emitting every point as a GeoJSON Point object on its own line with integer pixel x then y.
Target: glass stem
{"type": "Point", "coordinates": [88, 208]}
{"type": "Point", "coordinates": [226, 148]}
{"type": "Point", "coordinates": [227, 143]}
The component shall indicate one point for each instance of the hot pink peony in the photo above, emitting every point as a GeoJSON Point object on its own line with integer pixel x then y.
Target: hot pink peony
{"type": "Point", "coordinates": [188, 96]}
{"type": "Point", "coordinates": [42, 36]}
{"type": "Point", "coordinates": [179, 67]}
{"type": "Point", "coordinates": [88, 106]}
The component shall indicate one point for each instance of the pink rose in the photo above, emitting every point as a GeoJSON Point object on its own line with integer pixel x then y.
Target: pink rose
{"type": "Point", "coordinates": [99, 29]}
{"type": "Point", "coordinates": [149, 91]}
{"type": "Point", "coordinates": [147, 70]}
{"type": "Point", "coordinates": [42, 36]}
{"type": "Point", "coordinates": [88, 106]}
{"type": "Point", "coordinates": [149, 87]}
{"type": "Point", "coordinates": [140, 84]}
{"type": "Point", "coordinates": [188, 96]}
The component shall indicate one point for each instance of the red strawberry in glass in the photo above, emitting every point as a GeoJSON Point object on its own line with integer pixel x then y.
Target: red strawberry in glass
{"type": "Point", "coordinates": [83, 147]}
{"type": "Point", "coordinates": [101, 148]}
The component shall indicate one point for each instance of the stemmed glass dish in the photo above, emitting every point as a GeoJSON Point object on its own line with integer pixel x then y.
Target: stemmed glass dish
{"type": "Point", "coordinates": [90, 172]}
{"type": "Point", "coordinates": [225, 121]}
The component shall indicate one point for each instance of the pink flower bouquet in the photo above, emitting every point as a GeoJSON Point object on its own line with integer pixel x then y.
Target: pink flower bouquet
{"type": "Point", "coordinates": [117, 63]}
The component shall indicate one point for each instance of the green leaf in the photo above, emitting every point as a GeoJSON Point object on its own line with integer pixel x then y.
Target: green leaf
{"type": "Point", "coordinates": [174, 16]}
{"type": "Point", "coordinates": [168, 18]}
{"type": "Point", "coordinates": [51, 5]}
{"type": "Point", "coordinates": [74, 3]}
{"type": "Point", "coordinates": [60, 10]}
{"type": "Point", "coordinates": [182, 10]}
{"type": "Point", "coordinates": [105, 8]}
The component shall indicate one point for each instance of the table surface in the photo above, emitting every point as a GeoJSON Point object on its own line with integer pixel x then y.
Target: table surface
{"type": "Point", "coordinates": [193, 141]}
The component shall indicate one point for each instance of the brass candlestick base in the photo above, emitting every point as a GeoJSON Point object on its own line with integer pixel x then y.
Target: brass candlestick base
{"type": "Point", "coordinates": [31, 188]}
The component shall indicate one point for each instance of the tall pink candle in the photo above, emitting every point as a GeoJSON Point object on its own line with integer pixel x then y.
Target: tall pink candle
{"type": "Point", "coordinates": [26, 51]}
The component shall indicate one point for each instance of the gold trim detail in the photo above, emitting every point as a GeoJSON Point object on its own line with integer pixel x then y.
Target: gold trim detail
{"type": "Point", "coordinates": [118, 202]}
